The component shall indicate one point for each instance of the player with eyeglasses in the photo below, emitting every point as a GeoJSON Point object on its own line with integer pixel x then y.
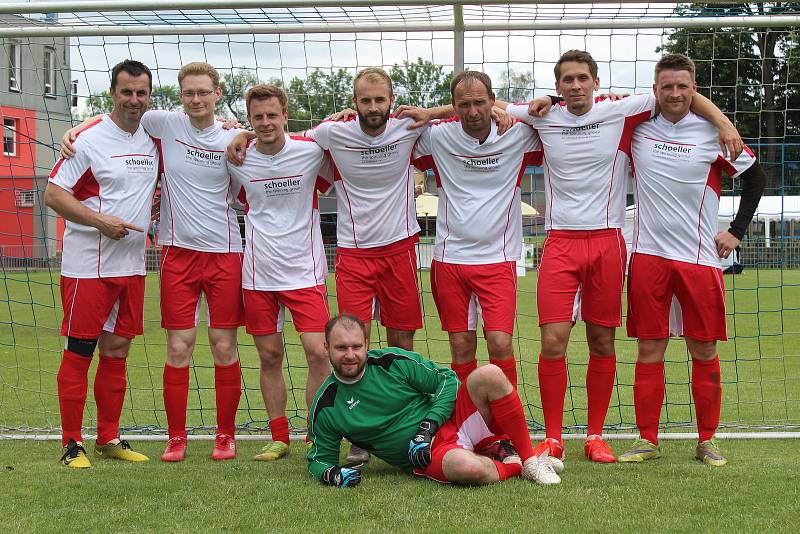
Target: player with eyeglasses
{"type": "Point", "coordinates": [201, 254]}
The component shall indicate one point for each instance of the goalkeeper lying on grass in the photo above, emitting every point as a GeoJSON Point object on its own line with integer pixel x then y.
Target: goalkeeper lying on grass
{"type": "Point", "coordinates": [416, 416]}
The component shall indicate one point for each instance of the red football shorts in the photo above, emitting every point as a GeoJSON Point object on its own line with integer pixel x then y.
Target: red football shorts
{"type": "Point", "coordinates": [466, 429]}
{"type": "Point", "coordinates": [383, 288]}
{"type": "Point", "coordinates": [264, 310]}
{"type": "Point", "coordinates": [185, 274]}
{"type": "Point", "coordinates": [581, 276]}
{"type": "Point", "coordinates": [95, 305]}
{"type": "Point", "coordinates": [461, 291]}
{"type": "Point", "coordinates": [668, 297]}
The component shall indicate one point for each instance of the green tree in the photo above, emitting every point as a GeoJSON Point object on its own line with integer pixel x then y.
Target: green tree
{"type": "Point", "coordinates": [515, 86]}
{"type": "Point", "coordinates": [317, 96]}
{"type": "Point", "coordinates": [747, 72]}
{"type": "Point", "coordinates": [163, 97]}
{"type": "Point", "coordinates": [234, 86]}
{"type": "Point", "coordinates": [421, 83]}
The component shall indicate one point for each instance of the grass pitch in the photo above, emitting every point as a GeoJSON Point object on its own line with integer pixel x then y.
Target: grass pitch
{"type": "Point", "coordinates": [759, 490]}
{"type": "Point", "coordinates": [760, 364]}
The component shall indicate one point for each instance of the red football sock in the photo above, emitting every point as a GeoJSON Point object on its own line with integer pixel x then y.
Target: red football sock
{"type": "Point", "coordinates": [599, 387]}
{"type": "Point", "coordinates": [279, 427]}
{"type": "Point", "coordinates": [707, 393]}
{"type": "Point", "coordinates": [176, 394]}
{"type": "Point", "coordinates": [508, 414]}
{"type": "Point", "coordinates": [109, 394]}
{"type": "Point", "coordinates": [509, 367]}
{"type": "Point", "coordinates": [552, 389]}
{"type": "Point", "coordinates": [464, 369]}
{"type": "Point", "coordinates": [506, 471]}
{"type": "Point", "coordinates": [648, 396]}
{"type": "Point", "coordinates": [72, 383]}
{"type": "Point", "coordinates": [228, 384]}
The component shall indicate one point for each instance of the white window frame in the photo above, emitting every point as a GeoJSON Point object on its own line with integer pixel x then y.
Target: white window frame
{"type": "Point", "coordinates": [10, 125]}
{"type": "Point", "coordinates": [14, 66]}
{"type": "Point", "coordinates": [49, 75]}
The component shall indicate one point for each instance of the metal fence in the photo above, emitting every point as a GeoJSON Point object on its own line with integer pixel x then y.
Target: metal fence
{"type": "Point", "coordinates": [779, 253]}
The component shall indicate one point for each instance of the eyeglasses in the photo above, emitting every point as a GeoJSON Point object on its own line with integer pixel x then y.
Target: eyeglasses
{"type": "Point", "coordinates": [191, 94]}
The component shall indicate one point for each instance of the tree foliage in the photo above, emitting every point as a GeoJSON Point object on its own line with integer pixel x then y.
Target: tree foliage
{"type": "Point", "coordinates": [750, 73]}
{"type": "Point", "coordinates": [515, 86]}
{"type": "Point", "coordinates": [163, 97]}
{"type": "Point", "coordinates": [421, 83]}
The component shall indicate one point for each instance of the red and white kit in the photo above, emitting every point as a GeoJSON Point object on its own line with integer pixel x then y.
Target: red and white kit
{"type": "Point", "coordinates": [376, 266]}
{"type": "Point", "coordinates": [284, 253]}
{"type": "Point", "coordinates": [113, 172]}
{"type": "Point", "coordinates": [678, 170]}
{"type": "Point", "coordinates": [479, 226]}
{"type": "Point", "coordinates": [198, 230]}
{"type": "Point", "coordinates": [585, 165]}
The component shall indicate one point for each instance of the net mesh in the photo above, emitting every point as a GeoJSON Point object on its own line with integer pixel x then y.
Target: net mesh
{"type": "Point", "coordinates": [760, 363]}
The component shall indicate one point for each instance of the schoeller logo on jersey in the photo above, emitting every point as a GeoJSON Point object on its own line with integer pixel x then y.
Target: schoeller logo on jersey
{"type": "Point", "coordinates": [480, 163]}
{"type": "Point", "coordinates": [139, 162]}
{"type": "Point", "coordinates": [376, 153]}
{"type": "Point", "coordinates": [352, 403]}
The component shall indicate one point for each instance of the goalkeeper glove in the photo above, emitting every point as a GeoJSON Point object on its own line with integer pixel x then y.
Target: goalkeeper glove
{"type": "Point", "coordinates": [341, 477]}
{"type": "Point", "coordinates": [419, 449]}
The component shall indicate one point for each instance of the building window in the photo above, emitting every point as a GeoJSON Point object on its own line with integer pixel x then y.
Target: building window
{"type": "Point", "coordinates": [14, 66]}
{"type": "Point", "coordinates": [74, 94]}
{"type": "Point", "coordinates": [49, 72]}
{"type": "Point", "coordinates": [24, 199]}
{"type": "Point", "coordinates": [9, 137]}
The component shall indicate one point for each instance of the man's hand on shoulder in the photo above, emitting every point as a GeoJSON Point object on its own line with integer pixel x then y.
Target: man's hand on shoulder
{"type": "Point", "coordinates": [342, 477]}
{"type": "Point", "coordinates": [503, 119]}
{"type": "Point", "coordinates": [726, 243]}
{"type": "Point", "coordinates": [230, 124]}
{"type": "Point", "coordinates": [68, 139]}
{"type": "Point", "coordinates": [237, 148]}
{"type": "Point", "coordinates": [419, 449]}
{"type": "Point", "coordinates": [538, 107]}
{"type": "Point", "coordinates": [613, 97]}
{"type": "Point", "coordinates": [343, 115]}
{"type": "Point", "coordinates": [67, 148]}
{"type": "Point", "coordinates": [421, 116]}
{"type": "Point", "coordinates": [731, 142]}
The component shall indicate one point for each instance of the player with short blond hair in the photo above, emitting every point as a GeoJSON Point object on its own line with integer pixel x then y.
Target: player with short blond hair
{"type": "Point", "coordinates": [201, 254]}
{"type": "Point", "coordinates": [675, 284]}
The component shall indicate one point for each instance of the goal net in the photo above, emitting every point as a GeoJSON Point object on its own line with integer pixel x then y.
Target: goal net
{"type": "Point", "coordinates": [55, 61]}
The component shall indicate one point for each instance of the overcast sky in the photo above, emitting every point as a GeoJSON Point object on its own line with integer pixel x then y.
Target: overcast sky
{"type": "Point", "coordinates": [626, 57]}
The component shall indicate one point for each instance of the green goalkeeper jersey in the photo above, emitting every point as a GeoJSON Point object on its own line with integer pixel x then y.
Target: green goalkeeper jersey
{"type": "Point", "coordinates": [382, 411]}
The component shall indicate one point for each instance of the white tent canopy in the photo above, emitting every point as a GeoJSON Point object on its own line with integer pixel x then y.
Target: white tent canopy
{"type": "Point", "coordinates": [770, 208]}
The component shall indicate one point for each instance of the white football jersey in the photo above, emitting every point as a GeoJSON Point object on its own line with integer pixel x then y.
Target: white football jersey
{"type": "Point", "coordinates": [479, 217]}
{"type": "Point", "coordinates": [677, 176]}
{"type": "Point", "coordinates": [373, 179]}
{"type": "Point", "coordinates": [196, 190]}
{"type": "Point", "coordinates": [113, 172]}
{"type": "Point", "coordinates": [586, 160]}
{"type": "Point", "coordinates": [282, 230]}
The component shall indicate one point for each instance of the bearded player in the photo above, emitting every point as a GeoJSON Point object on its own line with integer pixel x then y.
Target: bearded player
{"type": "Point", "coordinates": [417, 416]}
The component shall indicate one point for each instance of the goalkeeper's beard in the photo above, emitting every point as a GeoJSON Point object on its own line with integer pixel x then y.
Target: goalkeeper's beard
{"type": "Point", "coordinates": [350, 370]}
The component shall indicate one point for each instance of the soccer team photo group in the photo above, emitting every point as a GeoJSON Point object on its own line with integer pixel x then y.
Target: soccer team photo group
{"type": "Point", "coordinates": [635, 233]}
